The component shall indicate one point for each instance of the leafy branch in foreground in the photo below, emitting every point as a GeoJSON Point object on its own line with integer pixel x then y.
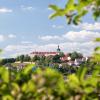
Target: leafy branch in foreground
{"type": "Point", "coordinates": [49, 84]}
{"type": "Point", "coordinates": [74, 11]}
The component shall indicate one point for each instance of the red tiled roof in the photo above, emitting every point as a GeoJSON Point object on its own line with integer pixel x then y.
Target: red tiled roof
{"type": "Point", "coordinates": [43, 53]}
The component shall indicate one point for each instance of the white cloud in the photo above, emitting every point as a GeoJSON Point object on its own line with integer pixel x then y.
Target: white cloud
{"type": "Point", "coordinates": [5, 10]}
{"type": "Point", "coordinates": [85, 48]}
{"type": "Point", "coordinates": [2, 38]}
{"type": "Point", "coordinates": [88, 26]}
{"type": "Point", "coordinates": [11, 36]}
{"type": "Point", "coordinates": [26, 42]}
{"type": "Point", "coordinates": [81, 36]}
{"type": "Point", "coordinates": [11, 48]}
{"type": "Point", "coordinates": [48, 38]}
{"type": "Point", "coordinates": [81, 41]}
{"type": "Point", "coordinates": [6, 37]}
{"type": "Point", "coordinates": [27, 8]}
{"type": "Point", "coordinates": [58, 26]}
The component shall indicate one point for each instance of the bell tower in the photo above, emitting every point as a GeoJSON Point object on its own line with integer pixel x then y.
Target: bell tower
{"type": "Point", "coordinates": [58, 49]}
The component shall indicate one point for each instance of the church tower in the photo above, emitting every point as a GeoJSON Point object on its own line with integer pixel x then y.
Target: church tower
{"type": "Point", "coordinates": [58, 49]}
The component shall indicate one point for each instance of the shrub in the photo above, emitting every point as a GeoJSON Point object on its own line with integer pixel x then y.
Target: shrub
{"type": "Point", "coordinates": [49, 84]}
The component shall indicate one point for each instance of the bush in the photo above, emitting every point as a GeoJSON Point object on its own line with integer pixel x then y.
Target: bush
{"type": "Point", "coordinates": [48, 84]}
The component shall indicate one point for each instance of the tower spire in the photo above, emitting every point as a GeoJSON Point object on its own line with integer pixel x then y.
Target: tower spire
{"type": "Point", "coordinates": [58, 49]}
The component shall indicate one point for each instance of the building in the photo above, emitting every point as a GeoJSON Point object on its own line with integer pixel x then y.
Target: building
{"type": "Point", "coordinates": [42, 54]}
{"type": "Point", "coordinates": [38, 53]}
{"type": "Point", "coordinates": [65, 58]}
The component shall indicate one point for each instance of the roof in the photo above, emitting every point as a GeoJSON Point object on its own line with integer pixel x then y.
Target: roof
{"type": "Point", "coordinates": [43, 53]}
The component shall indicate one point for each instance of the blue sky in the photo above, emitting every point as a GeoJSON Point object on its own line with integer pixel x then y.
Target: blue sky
{"type": "Point", "coordinates": [25, 27]}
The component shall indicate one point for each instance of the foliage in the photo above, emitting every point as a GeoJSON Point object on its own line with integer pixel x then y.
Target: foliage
{"type": "Point", "coordinates": [23, 58]}
{"type": "Point", "coordinates": [49, 84]}
{"type": "Point", "coordinates": [5, 61]}
{"type": "Point", "coordinates": [80, 86]}
{"type": "Point", "coordinates": [56, 59]}
{"type": "Point", "coordinates": [35, 58]}
{"type": "Point", "coordinates": [74, 10]}
{"type": "Point", "coordinates": [74, 55]}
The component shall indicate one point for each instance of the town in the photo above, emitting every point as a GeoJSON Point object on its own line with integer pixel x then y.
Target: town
{"type": "Point", "coordinates": [57, 59]}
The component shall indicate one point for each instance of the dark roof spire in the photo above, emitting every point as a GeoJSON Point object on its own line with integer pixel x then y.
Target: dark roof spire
{"type": "Point", "coordinates": [58, 49]}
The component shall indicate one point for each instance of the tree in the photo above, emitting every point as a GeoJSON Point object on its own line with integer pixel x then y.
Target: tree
{"type": "Point", "coordinates": [35, 58]}
{"type": "Point", "coordinates": [49, 60]}
{"type": "Point", "coordinates": [7, 60]}
{"type": "Point", "coordinates": [61, 54]}
{"type": "Point", "coordinates": [75, 9]}
{"type": "Point", "coordinates": [18, 58]}
{"type": "Point", "coordinates": [74, 55]}
{"type": "Point", "coordinates": [56, 59]}
{"type": "Point", "coordinates": [21, 58]}
{"type": "Point", "coordinates": [27, 58]}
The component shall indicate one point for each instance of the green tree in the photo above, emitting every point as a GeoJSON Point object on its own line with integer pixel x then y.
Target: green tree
{"type": "Point", "coordinates": [27, 58]}
{"type": "Point", "coordinates": [18, 58]}
{"type": "Point", "coordinates": [35, 58]}
{"type": "Point", "coordinates": [61, 54]}
{"type": "Point", "coordinates": [21, 58]}
{"type": "Point", "coordinates": [56, 59]}
{"type": "Point", "coordinates": [74, 55]}
{"type": "Point", "coordinates": [49, 60]}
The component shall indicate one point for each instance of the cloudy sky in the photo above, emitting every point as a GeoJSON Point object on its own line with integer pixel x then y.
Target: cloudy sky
{"type": "Point", "coordinates": [25, 27]}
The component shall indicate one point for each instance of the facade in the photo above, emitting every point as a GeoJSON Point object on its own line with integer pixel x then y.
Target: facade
{"type": "Point", "coordinates": [45, 53]}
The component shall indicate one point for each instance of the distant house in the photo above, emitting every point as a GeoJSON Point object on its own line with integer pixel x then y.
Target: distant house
{"type": "Point", "coordinates": [65, 58]}
{"type": "Point", "coordinates": [70, 63]}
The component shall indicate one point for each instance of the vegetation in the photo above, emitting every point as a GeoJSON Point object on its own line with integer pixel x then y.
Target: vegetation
{"type": "Point", "coordinates": [5, 61]}
{"type": "Point", "coordinates": [74, 10]}
{"type": "Point", "coordinates": [23, 58]}
{"type": "Point", "coordinates": [49, 84]}
{"type": "Point", "coordinates": [74, 55]}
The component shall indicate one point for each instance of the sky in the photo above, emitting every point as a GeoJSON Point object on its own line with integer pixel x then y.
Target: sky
{"type": "Point", "coordinates": [25, 27]}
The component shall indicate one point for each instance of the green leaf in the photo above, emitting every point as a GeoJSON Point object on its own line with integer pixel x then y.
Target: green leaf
{"type": "Point", "coordinates": [73, 80]}
{"type": "Point", "coordinates": [97, 49]}
{"type": "Point", "coordinates": [88, 90]}
{"type": "Point", "coordinates": [15, 87]}
{"type": "Point", "coordinates": [70, 5]}
{"type": "Point", "coordinates": [96, 14]}
{"type": "Point", "coordinates": [53, 15]}
{"type": "Point", "coordinates": [61, 12]}
{"type": "Point", "coordinates": [31, 86]}
{"type": "Point", "coordinates": [4, 74]}
{"type": "Point", "coordinates": [81, 73]}
{"type": "Point", "coordinates": [96, 71]}
{"type": "Point", "coordinates": [24, 87]}
{"type": "Point", "coordinates": [54, 7]}
{"type": "Point", "coordinates": [97, 39]}
{"type": "Point", "coordinates": [7, 97]}
{"type": "Point", "coordinates": [27, 69]}
{"type": "Point", "coordinates": [96, 57]}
